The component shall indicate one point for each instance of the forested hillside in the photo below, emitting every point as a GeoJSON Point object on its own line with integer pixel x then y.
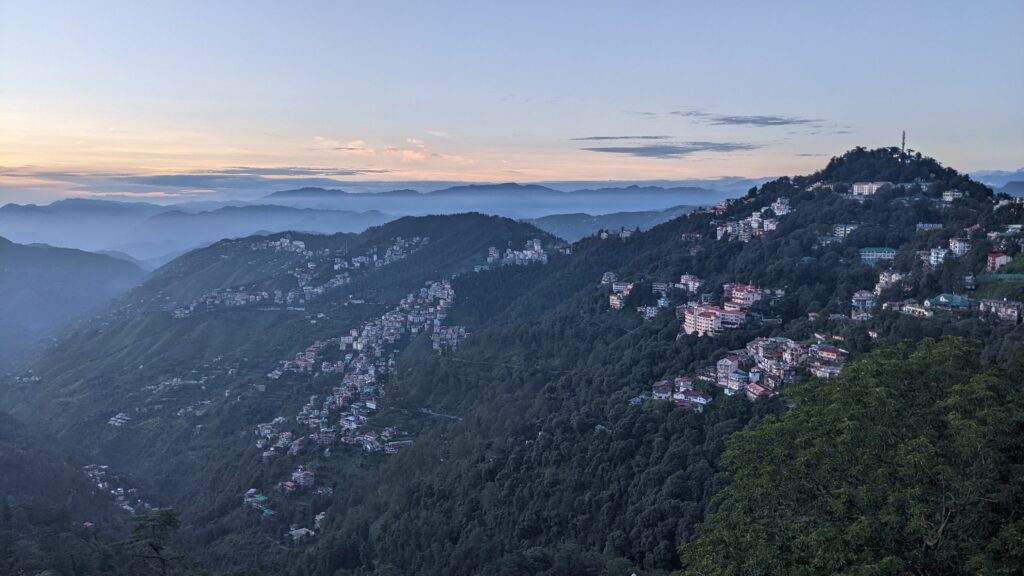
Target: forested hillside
{"type": "Point", "coordinates": [503, 417]}
{"type": "Point", "coordinates": [909, 463]}
{"type": "Point", "coordinates": [44, 288]}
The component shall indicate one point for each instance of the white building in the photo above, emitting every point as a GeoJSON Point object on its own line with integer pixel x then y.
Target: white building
{"type": "Point", "coordinates": [959, 246]}
{"type": "Point", "coordinates": [868, 188]}
{"type": "Point", "coordinates": [936, 256]}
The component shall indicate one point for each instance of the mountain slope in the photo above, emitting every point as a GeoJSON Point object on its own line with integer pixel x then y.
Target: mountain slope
{"type": "Point", "coordinates": [159, 367]}
{"type": "Point", "coordinates": [550, 469]}
{"type": "Point", "coordinates": [44, 288]}
{"type": "Point", "coordinates": [45, 501]}
{"type": "Point", "coordinates": [572, 227]}
{"type": "Point", "coordinates": [173, 229]}
{"type": "Point", "coordinates": [536, 447]}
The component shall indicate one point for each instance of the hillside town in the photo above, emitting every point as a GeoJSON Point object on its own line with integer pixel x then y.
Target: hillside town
{"type": "Point", "coordinates": [768, 364]}
{"type": "Point", "coordinates": [757, 224]}
{"type": "Point", "coordinates": [532, 253]}
{"type": "Point", "coordinates": [106, 482]}
{"type": "Point", "coordinates": [707, 319]}
{"type": "Point", "coordinates": [306, 273]}
{"type": "Point", "coordinates": [760, 369]}
{"type": "Point", "coordinates": [369, 354]}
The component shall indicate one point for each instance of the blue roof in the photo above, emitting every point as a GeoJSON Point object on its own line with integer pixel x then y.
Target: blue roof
{"type": "Point", "coordinates": [951, 300]}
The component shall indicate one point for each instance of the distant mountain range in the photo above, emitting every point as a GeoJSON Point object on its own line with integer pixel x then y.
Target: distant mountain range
{"type": "Point", "coordinates": [573, 227]}
{"type": "Point", "coordinates": [1014, 188]}
{"type": "Point", "coordinates": [151, 234]}
{"type": "Point", "coordinates": [997, 179]}
{"type": "Point", "coordinates": [508, 199]}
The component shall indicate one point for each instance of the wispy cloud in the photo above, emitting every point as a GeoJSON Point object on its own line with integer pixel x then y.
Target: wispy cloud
{"type": "Point", "coordinates": [756, 121]}
{"type": "Point", "coordinates": [231, 180]}
{"type": "Point", "coordinates": [675, 150]}
{"type": "Point", "coordinates": [600, 138]}
{"type": "Point", "coordinates": [292, 171]}
{"type": "Point", "coordinates": [642, 113]}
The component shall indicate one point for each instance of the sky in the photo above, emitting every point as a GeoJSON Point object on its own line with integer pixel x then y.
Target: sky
{"type": "Point", "coordinates": [198, 99]}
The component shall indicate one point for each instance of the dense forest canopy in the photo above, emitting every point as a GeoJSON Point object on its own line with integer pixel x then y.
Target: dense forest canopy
{"type": "Point", "coordinates": [909, 463]}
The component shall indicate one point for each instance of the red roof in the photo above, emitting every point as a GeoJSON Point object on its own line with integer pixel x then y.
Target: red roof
{"type": "Point", "coordinates": [757, 390]}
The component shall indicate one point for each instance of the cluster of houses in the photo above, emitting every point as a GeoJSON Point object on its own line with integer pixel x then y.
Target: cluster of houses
{"type": "Point", "coordinates": [447, 337]}
{"type": "Point", "coordinates": [888, 279]}
{"type": "Point", "coordinates": [126, 499]}
{"type": "Point", "coordinates": [241, 296]}
{"type": "Point", "coordinates": [862, 303]}
{"type": "Point", "coordinates": [767, 364]}
{"type": "Point", "coordinates": [680, 391]}
{"type": "Point", "coordinates": [1003, 310]}
{"type": "Point", "coordinates": [620, 291]}
{"type": "Point", "coordinates": [399, 249]}
{"type": "Point", "coordinates": [759, 370]}
{"type": "Point", "coordinates": [934, 257]}
{"type": "Point", "coordinates": [862, 190]}
{"type": "Point", "coordinates": [706, 319]}
{"type": "Point", "coordinates": [532, 253]}
{"type": "Point", "coordinates": [370, 354]}
{"type": "Point", "coordinates": [757, 224]}
{"type": "Point", "coordinates": [119, 419]}
{"type": "Point", "coordinates": [301, 478]}
{"type": "Point", "coordinates": [253, 499]}
{"type": "Point", "coordinates": [284, 244]}
{"type": "Point", "coordinates": [305, 273]}
{"type": "Point", "coordinates": [622, 234]}
{"type": "Point", "coordinates": [1009, 235]}
{"type": "Point", "coordinates": [839, 233]}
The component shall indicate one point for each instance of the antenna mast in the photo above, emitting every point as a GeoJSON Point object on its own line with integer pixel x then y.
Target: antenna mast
{"type": "Point", "coordinates": [903, 146]}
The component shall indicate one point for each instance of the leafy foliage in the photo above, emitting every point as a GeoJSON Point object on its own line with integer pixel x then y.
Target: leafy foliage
{"type": "Point", "coordinates": [909, 463]}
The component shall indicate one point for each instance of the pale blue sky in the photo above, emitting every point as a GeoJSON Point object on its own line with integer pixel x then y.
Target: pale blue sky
{"type": "Point", "coordinates": [489, 91]}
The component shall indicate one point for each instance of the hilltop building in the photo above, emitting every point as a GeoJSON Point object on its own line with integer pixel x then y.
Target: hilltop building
{"type": "Point", "coordinates": [868, 188]}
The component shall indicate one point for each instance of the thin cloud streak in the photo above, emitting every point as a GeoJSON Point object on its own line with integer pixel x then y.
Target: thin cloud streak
{"type": "Point", "coordinates": [756, 121]}
{"type": "Point", "coordinates": [668, 151]}
{"type": "Point", "coordinates": [601, 138]}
